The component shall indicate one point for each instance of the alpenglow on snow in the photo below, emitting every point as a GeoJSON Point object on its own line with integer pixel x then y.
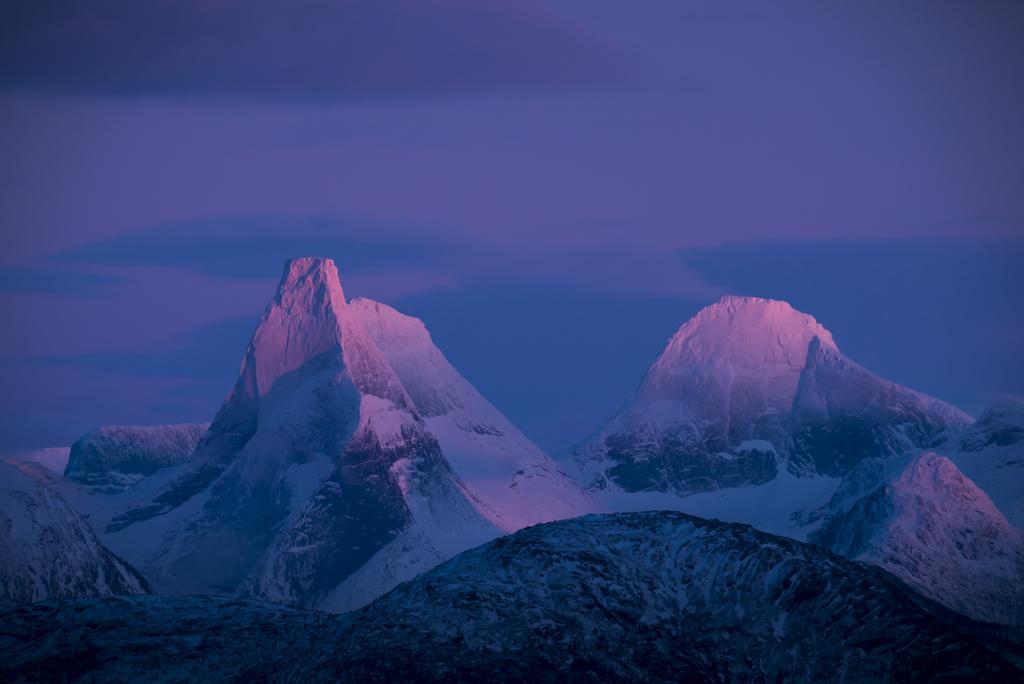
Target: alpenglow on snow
{"type": "Point", "coordinates": [349, 457]}
{"type": "Point", "coordinates": [744, 388]}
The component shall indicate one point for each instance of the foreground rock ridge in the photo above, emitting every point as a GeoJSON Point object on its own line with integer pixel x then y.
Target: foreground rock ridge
{"type": "Point", "coordinates": [654, 596]}
{"type": "Point", "coordinates": [326, 477]}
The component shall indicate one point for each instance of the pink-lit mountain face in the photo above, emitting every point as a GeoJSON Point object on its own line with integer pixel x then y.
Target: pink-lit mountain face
{"type": "Point", "coordinates": [748, 387]}
{"type": "Point", "coordinates": [924, 521]}
{"type": "Point", "coordinates": [752, 414]}
{"type": "Point", "coordinates": [334, 469]}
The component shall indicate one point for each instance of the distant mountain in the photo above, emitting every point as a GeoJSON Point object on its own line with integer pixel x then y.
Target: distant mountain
{"type": "Point", "coordinates": [752, 414]}
{"type": "Point", "coordinates": [922, 520]}
{"type": "Point", "coordinates": [321, 481]}
{"type": "Point", "coordinates": [54, 459]}
{"type": "Point", "coordinates": [47, 551]}
{"type": "Point", "coordinates": [748, 387]}
{"type": "Point", "coordinates": [991, 453]}
{"type": "Point", "coordinates": [630, 597]}
{"type": "Point", "coordinates": [115, 458]}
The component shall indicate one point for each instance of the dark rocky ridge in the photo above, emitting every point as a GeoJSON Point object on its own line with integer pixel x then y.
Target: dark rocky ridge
{"type": "Point", "coordinates": [629, 597]}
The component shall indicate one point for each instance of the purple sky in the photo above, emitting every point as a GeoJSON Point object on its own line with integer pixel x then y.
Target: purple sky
{"type": "Point", "coordinates": [553, 187]}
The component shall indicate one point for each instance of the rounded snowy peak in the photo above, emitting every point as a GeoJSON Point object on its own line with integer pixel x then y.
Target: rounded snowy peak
{"type": "Point", "coordinates": [749, 332]}
{"type": "Point", "coordinates": [390, 329]}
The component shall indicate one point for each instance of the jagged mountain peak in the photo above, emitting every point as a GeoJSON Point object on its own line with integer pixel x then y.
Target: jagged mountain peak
{"type": "Point", "coordinates": [309, 273]}
{"type": "Point", "coordinates": [302, 321]}
{"type": "Point", "coordinates": [306, 324]}
{"type": "Point", "coordinates": [349, 456]}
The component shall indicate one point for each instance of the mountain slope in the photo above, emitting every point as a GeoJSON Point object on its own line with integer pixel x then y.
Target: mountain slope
{"type": "Point", "coordinates": [744, 388]}
{"type": "Point", "coordinates": [843, 414]}
{"type": "Point", "coordinates": [518, 483]}
{"type": "Point", "coordinates": [316, 461]}
{"type": "Point", "coordinates": [321, 480]}
{"type": "Point", "coordinates": [46, 550]}
{"type": "Point", "coordinates": [922, 520]}
{"type": "Point", "coordinates": [637, 597]}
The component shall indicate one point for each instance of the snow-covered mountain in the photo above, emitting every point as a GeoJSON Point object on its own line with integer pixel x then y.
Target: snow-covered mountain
{"type": "Point", "coordinates": [115, 458]}
{"type": "Point", "coordinates": [518, 482]}
{"type": "Point", "coordinates": [752, 414]}
{"type": "Point", "coordinates": [320, 481]}
{"type": "Point", "coordinates": [745, 388]}
{"type": "Point", "coordinates": [54, 459]}
{"type": "Point", "coordinates": [921, 519]}
{"type": "Point", "coordinates": [991, 453]}
{"type": "Point", "coordinates": [630, 597]}
{"type": "Point", "coordinates": [47, 551]}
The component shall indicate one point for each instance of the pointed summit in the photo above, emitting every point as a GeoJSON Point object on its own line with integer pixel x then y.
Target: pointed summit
{"type": "Point", "coordinates": [348, 457]}
{"type": "Point", "coordinates": [301, 322]}
{"type": "Point", "coordinates": [318, 445]}
{"type": "Point", "coordinates": [310, 273]}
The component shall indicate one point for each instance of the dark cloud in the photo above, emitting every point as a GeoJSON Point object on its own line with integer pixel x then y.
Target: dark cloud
{"type": "Point", "coordinates": [308, 49]}
{"type": "Point", "coordinates": [256, 246]}
{"type": "Point", "coordinates": [210, 355]}
{"type": "Point", "coordinates": [44, 280]}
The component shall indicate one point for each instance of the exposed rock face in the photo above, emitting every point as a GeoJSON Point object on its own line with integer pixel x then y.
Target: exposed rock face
{"type": "Point", "coordinates": [47, 551]}
{"type": "Point", "coordinates": [744, 372]}
{"type": "Point", "coordinates": [630, 597]}
{"type": "Point", "coordinates": [921, 519]}
{"type": "Point", "coordinates": [116, 457]}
